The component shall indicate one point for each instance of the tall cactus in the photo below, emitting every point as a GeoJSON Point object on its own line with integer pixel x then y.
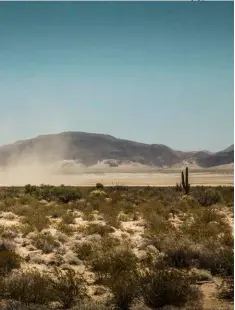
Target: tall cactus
{"type": "Point", "coordinates": [184, 181]}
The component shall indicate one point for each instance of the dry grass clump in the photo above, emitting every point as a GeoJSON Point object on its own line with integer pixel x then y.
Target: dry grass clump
{"type": "Point", "coordinates": [164, 287]}
{"type": "Point", "coordinates": [201, 275]}
{"type": "Point", "coordinates": [100, 229]}
{"type": "Point", "coordinates": [29, 286]}
{"type": "Point", "coordinates": [45, 242]}
{"type": "Point", "coordinates": [65, 228]}
{"type": "Point", "coordinates": [9, 232]}
{"type": "Point", "coordinates": [68, 218]}
{"type": "Point", "coordinates": [84, 250]}
{"type": "Point", "coordinates": [34, 215]}
{"type": "Point", "coordinates": [111, 263]}
{"type": "Point", "coordinates": [219, 261]}
{"type": "Point", "coordinates": [9, 259]}
{"type": "Point", "coordinates": [110, 214]}
{"type": "Point", "coordinates": [226, 289]}
{"type": "Point", "coordinates": [34, 287]}
{"type": "Point", "coordinates": [179, 251]}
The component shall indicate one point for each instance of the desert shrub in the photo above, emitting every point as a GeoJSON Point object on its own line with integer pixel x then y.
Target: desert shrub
{"type": "Point", "coordinates": [63, 194]}
{"type": "Point", "coordinates": [201, 275]}
{"type": "Point", "coordinates": [177, 250]}
{"type": "Point", "coordinates": [87, 216]}
{"type": "Point", "coordinates": [180, 254]}
{"type": "Point", "coordinates": [99, 186]}
{"type": "Point", "coordinates": [69, 287]}
{"type": "Point", "coordinates": [25, 229]}
{"type": "Point", "coordinates": [9, 259]}
{"type": "Point", "coordinates": [110, 214]}
{"type": "Point", "coordinates": [10, 192]}
{"type": "Point", "coordinates": [84, 250]}
{"type": "Point", "coordinates": [205, 225]}
{"type": "Point", "coordinates": [56, 211]}
{"type": "Point", "coordinates": [100, 265]}
{"type": "Point", "coordinates": [157, 224]}
{"type": "Point", "coordinates": [226, 289]}
{"type": "Point", "coordinates": [34, 215]}
{"type": "Point", "coordinates": [227, 239]}
{"type": "Point", "coordinates": [153, 207]}
{"type": "Point", "coordinates": [8, 202]}
{"type": "Point", "coordinates": [38, 221]}
{"type": "Point", "coordinates": [210, 215]}
{"type": "Point", "coordinates": [161, 287]}
{"type": "Point", "coordinates": [98, 193]}
{"type": "Point", "coordinates": [68, 218]}
{"type": "Point", "coordinates": [30, 286]}
{"type": "Point", "coordinates": [100, 229]}
{"type": "Point", "coordinates": [112, 263]}
{"type": "Point", "coordinates": [30, 189]}
{"type": "Point", "coordinates": [21, 210]}
{"type": "Point", "coordinates": [65, 228]}
{"type": "Point", "coordinates": [8, 232]}
{"type": "Point", "coordinates": [209, 197]}
{"type": "Point", "coordinates": [217, 261]}
{"type": "Point", "coordinates": [93, 305]}
{"type": "Point", "coordinates": [17, 305]}
{"type": "Point", "coordinates": [124, 289]}
{"type": "Point", "coordinates": [109, 242]}
{"type": "Point", "coordinates": [26, 200]}
{"type": "Point", "coordinates": [127, 207]}
{"type": "Point", "coordinates": [45, 242]}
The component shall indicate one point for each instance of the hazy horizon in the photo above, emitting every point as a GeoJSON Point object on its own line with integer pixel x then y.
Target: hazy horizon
{"type": "Point", "coordinates": [123, 138]}
{"type": "Point", "coordinates": [151, 72]}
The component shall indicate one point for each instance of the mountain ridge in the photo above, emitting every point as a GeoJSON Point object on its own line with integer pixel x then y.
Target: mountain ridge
{"type": "Point", "coordinates": [90, 148]}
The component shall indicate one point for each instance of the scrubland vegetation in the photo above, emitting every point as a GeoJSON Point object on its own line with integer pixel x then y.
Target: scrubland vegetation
{"type": "Point", "coordinates": [116, 248]}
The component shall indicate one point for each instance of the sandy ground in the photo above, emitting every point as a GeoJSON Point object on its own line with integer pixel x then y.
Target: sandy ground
{"type": "Point", "coordinates": [153, 179]}
{"type": "Point", "coordinates": [128, 179]}
{"type": "Point", "coordinates": [132, 175]}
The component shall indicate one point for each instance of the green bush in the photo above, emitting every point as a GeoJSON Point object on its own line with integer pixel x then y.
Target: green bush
{"type": "Point", "coordinates": [124, 288]}
{"type": "Point", "coordinates": [69, 287]}
{"type": "Point", "coordinates": [65, 228]}
{"type": "Point", "coordinates": [217, 261]}
{"type": "Point", "coordinates": [30, 286]}
{"type": "Point", "coordinates": [63, 194]}
{"type": "Point", "coordinates": [66, 194]}
{"type": "Point", "coordinates": [99, 186]}
{"type": "Point", "coordinates": [9, 259]}
{"type": "Point", "coordinates": [226, 289]}
{"type": "Point", "coordinates": [167, 287]}
{"type": "Point", "coordinates": [110, 264]}
{"type": "Point", "coordinates": [84, 250]}
{"type": "Point", "coordinates": [209, 197]}
{"type": "Point", "coordinates": [181, 257]}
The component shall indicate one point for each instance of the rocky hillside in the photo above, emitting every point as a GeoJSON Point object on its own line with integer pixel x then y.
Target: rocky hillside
{"type": "Point", "coordinates": [89, 148]}
{"type": "Point", "coordinates": [220, 158]}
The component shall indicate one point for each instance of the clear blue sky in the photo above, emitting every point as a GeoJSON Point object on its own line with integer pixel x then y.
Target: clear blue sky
{"type": "Point", "coordinates": [154, 72]}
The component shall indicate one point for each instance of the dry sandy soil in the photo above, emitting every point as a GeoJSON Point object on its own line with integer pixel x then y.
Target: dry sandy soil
{"type": "Point", "coordinates": [128, 175]}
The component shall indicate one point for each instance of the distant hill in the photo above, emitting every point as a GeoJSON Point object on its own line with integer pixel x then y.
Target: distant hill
{"type": "Point", "coordinates": [220, 158]}
{"type": "Point", "coordinates": [229, 149]}
{"type": "Point", "coordinates": [91, 148]}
